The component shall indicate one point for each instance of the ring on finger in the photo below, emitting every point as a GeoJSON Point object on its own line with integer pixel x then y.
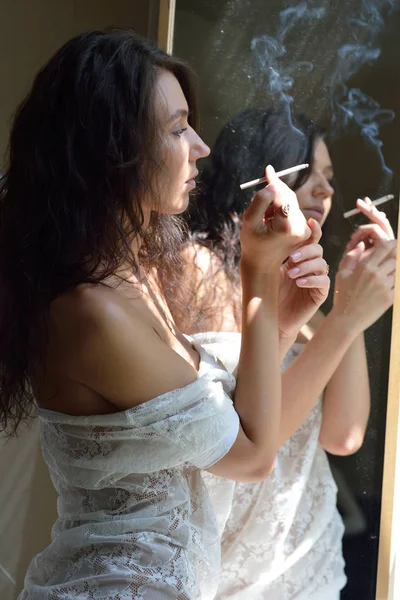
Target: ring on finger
{"type": "Point", "coordinates": [327, 269]}
{"type": "Point", "coordinates": [285, 210]}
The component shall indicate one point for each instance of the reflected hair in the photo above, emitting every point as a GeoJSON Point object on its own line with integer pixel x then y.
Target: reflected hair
{"type": "Point", "coordinates": [84, 149]}
{"type": "Point", "coordinates": [249, 142]}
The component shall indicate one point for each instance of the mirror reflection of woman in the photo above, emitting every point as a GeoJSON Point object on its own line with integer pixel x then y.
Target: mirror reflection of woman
{"type": "Point", "coordinates": [283, 537]}
{"type": "Point", "coordinates": [103, 155]}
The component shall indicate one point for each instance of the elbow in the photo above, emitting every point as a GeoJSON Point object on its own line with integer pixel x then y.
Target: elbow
{"type": "Point", "coordinates": [344, 445]}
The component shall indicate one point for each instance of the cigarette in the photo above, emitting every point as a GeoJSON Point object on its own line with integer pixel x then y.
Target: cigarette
{"type": "Point", "coordinates": [355, 211]}
{"type": "Point", "coordinates": [244, 186]}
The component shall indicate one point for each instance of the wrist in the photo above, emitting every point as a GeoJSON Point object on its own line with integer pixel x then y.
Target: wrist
{"type": "Point", "coordinates": [342, 325]}
{"type": "Point", "coordinates": [260, 291]}
{"type": "Point", "coordinates": [250, 270]}
{"type": "Point", "coordinates": [286, 341]}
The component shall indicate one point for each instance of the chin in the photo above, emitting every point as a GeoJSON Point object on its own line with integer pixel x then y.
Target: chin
{"type": "Point", "coordinates": [180, 207]}
{"type": "Point", "coordinates": [172, 203]}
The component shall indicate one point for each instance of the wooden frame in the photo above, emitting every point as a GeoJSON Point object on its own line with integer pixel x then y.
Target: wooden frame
{"type": "Point", "coordinates": [388, 581]}
{"type": "Point", "coordinates": [166, 24]}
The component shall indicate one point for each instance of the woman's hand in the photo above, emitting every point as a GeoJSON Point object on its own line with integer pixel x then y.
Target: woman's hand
{"type": "Point", "coordinates": [377, 230]}
{"type": "Point", "coordinates": [304, 284]}
{"type": "Point", "coordinates": [364, 287]}
{"type": "Point", "coordinates": [273, 226]}
{"type": "Point", "coordinates": [375, 216]}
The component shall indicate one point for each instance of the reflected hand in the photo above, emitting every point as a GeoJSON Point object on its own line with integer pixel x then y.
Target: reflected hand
{"type": "Point", "coordinates": [372, 234]}
{"type": "Point", "coordinates": [364, 286]}
{"type": "Point", "coordinates": [304, 284]}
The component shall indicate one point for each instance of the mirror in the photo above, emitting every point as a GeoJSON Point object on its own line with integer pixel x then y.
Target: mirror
{"type": "Point", "coordinates": [339, 65]}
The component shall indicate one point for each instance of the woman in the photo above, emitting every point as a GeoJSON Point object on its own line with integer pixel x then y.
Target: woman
{"type": "Point", "coordinates": [103, 154]}
{"type": "Point", "coordinates": [282, 539]}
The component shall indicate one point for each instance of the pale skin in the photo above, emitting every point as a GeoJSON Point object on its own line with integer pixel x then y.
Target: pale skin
{"type": "Point", "coordinates": [115, 345]}
{"type": "Point", "coordinates": [333, 361]}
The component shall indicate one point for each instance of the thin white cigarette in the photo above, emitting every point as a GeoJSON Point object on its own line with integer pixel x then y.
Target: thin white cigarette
{"type": "Point", "coordinates": [244, 186]}
{"type": "Point", "coordinates": [355, 211]}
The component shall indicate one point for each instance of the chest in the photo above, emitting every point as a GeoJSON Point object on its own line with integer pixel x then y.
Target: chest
{"type": "Point", "coordinates": [154, 308]}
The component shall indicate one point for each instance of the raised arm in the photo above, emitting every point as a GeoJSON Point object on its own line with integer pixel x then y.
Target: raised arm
{"type": "Point", "coordinates": [347, 395]}
{"type": "Point", "coordinates": [364, 291]}
{"type": "Point", "coordinates": [265, 245]}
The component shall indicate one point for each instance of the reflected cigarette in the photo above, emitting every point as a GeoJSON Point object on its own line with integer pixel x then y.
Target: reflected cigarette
{"type": "Point", "coordinates": [356, 211]}
{"type": "Point", "coordinates": [244, 186]}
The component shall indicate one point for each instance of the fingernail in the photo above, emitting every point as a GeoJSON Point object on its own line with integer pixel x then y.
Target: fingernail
{"type": "Point", "coordinates": [293, 272]}
{"type": "Point", "coordinates": [295, 256]}
{"type": "Point", "coordinates": [301, 281]}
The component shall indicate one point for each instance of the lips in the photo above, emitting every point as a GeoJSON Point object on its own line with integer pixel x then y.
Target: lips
{"type": "Point", "coordinates": [315, 212]}
{"type": "Point", "coordinates": [191, 179]}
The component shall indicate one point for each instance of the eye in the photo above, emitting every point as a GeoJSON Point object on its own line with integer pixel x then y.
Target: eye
{"type": "Point", "coordinates": [179, 132]}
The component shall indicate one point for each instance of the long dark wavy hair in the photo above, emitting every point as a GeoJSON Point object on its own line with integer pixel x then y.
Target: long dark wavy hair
{"type": "Point", "coordinates": [84, 148]}
{"type": "Point", "coordinates": [249, 142]}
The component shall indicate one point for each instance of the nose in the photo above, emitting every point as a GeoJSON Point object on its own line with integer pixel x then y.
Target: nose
{"type": "Point", "coordinates": [198, 149]}
{"type": "Point", "coordinates": [323, 189]}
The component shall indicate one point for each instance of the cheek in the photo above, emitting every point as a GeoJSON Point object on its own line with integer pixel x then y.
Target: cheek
{"type": "Point", "coordinates": [169, 174]}
{"type": "Point", "coordinates": [177, 160]}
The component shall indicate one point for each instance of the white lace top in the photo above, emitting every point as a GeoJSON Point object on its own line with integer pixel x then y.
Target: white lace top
{"type": "Point", "coordinates": [135, 519]}
{"type": "Point", "coordinates": [283, 537]}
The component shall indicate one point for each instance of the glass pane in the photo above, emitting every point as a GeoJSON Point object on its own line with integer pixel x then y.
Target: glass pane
{"type": "Point", "coordinates": [339, 64]}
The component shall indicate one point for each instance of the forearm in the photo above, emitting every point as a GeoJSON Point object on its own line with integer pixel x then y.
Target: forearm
{"type": "Point", "coordinates": [347, 402]}
{"type": "Point", "coordinates": [285, 343]}
{"type": "Point", "coordinates": [258, 392]}
{"type": "Point", "coordinates": [307, 377]}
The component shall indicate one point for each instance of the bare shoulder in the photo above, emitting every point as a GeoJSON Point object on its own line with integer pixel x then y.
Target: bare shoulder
{"type": "Point", "coordinates": [87, 307]}
{"type": "Point", "coordinates": [90, 314]}
{"type": "Point", "coordinates": [109, 345]}
{"type": "Point", "coordinates": [201, 259]}
{"type": "Point", "coordinates": [208, 291]}
{"type": "Point", "coordinates": [204, 272]}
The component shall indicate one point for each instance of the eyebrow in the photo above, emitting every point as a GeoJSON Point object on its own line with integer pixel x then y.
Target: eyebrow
{"type": "Point", "coordinates": [181, 112]}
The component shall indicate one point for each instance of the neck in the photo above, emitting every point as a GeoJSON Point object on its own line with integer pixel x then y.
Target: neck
{"type": "Point", "coordinates": [136, 244]}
